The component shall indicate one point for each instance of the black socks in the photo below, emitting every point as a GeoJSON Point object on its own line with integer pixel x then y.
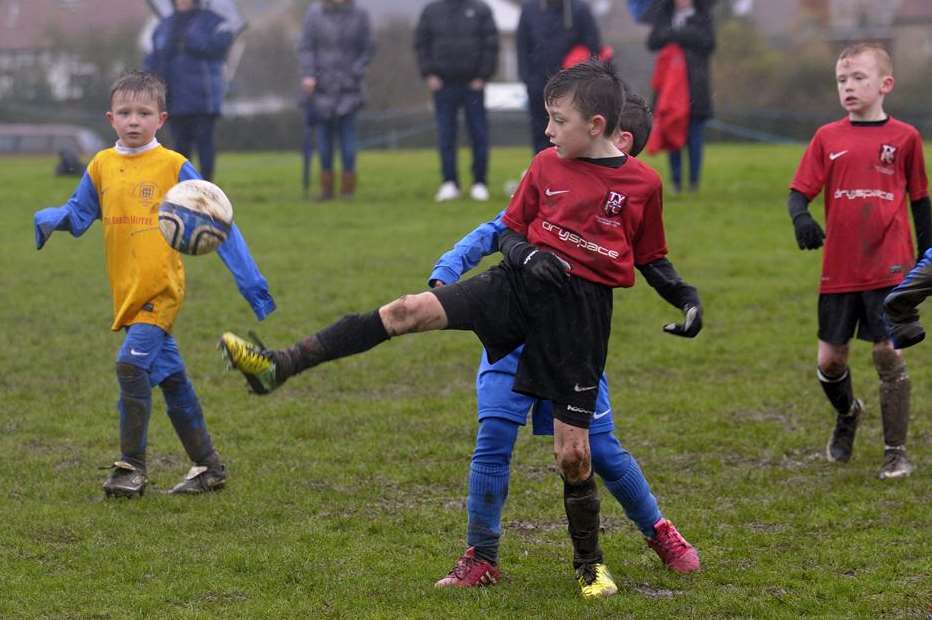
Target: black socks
{"type": "Point", "coordinates": [352, 334]}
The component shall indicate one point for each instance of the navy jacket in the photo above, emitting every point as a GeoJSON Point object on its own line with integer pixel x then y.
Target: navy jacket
{"type": "Point", "coordinates": [547, 31]}
{"type": "Point", "coordinates": [188, 52]}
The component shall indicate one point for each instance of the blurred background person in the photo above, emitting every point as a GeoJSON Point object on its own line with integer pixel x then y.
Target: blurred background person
{"type": "Point", "coordinates": [688, 24]}
{"type": "Point", "coordinates": [189, 49]}
{"type": "Point", "coordinates": [457, 52]}
{"type": "Point", "coordinates": [335, 49]}
{"type": "Point", "coordinates": [547, 31]}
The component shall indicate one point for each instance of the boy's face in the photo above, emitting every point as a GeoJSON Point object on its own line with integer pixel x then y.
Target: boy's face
{"type": "Point", "coordinates": [572, 134]}
{"type": "Point", "coordinates": [861, 87]}
{"type": "Point", "coordinates": [135, 118]}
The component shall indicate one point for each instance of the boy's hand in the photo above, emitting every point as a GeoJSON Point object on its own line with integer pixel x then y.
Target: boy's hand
{"type": "Point", "coordinates": [547, 268]}
{"type": "Point", "coordinates": [809, 234]}
{"type": "Point", "coordinates": [691, 325]}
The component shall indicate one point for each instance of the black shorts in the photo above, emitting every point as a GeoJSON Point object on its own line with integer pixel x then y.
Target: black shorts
{"type": "Point", "coordinates": [841, 313]}
{"type": "Point", "coordinates": [565, 333]}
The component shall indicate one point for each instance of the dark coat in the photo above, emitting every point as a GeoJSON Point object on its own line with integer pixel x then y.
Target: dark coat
{"type": "Point", "coordinates": [547, 31]}
{"type": "Point", "coordinates": [457, 40]}
{"type": "Point", "coordinates": [697, 38]}
{"type": "Point", "coordinates": [336, 47]}
{"type": "Point", "coordinates": [188, 52]}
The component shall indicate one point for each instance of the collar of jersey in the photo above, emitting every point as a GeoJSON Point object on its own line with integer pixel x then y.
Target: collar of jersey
{"type": "Point", "coordinates": [125, 150]}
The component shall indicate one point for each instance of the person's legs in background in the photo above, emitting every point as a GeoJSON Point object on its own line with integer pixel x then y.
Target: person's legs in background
{"type": "Point", "coordinates": [346, 128]}
{"type": "Point", "coordinates": [203, 129]}
{"type": "Point", "coordinates": [447, 101]}
{"type": "Point", "coordinates": [325, 132]}
{"type": "Point", "coordinates": [538, 117]}
{"type": "Point", "coordinates": [695, 140]}
{"type": "Point", "coordinates": [676, 170]}
{"type": "Point", "coordinates": [183, 134]}
{"type": "Point", "coordinates": [477, 123]}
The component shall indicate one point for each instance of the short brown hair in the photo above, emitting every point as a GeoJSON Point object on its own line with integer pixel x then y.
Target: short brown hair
{"type": "Point", "coordinates": [881, 55]}
{"type": "Point", "coordinates": [141, 83]}
{"type": "Point", "coordinates": [594, 88]}
{"type": "Point", "coordinates": [636, 119]}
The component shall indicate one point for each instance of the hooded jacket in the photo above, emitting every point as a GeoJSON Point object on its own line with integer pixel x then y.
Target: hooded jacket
{"type": "Point", "coordinates": [457, 40]}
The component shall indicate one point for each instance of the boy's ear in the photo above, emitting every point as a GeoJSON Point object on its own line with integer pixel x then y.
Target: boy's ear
{"type": "Point", "coordinates": [886, 84]}
{"type": "Point", "coordinates": [597, 125]}
{"type": "Point", "coordinates": [624, 141]}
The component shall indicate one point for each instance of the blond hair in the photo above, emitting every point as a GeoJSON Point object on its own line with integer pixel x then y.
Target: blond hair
{"type": "Point", "coordinates": [881, 56]}
{"type": "Point", "coordinates": [143, 83]}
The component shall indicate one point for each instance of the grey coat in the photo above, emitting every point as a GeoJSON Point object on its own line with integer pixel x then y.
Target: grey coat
{"type": "Point", "coordinates": [336, 46]}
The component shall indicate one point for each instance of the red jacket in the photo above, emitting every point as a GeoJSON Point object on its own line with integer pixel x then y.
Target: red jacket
{"type": "Point", "coordinates": [671, 112]}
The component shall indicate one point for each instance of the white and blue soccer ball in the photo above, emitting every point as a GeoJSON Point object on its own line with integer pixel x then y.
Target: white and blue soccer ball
{"type": "Point", "coordinates": [195, 217]}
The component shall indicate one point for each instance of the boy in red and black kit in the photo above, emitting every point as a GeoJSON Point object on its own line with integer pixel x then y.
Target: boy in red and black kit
{"type": "Point", "coordinates": [584, 215]}
{"type": "Point", "coordinates": [868, 164]}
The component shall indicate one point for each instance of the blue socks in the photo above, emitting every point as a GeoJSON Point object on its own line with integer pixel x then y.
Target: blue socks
{"type": "Point", "coordinates": [622, 476]}
{"type": "Point", "coordinates": [135, 407]}
{"type": "Point", "coordinates": [186, 415]}
{"type": "Point", "coordinates": [488, 485]}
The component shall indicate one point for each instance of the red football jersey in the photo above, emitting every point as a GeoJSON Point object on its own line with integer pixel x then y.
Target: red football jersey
{"type": "Point", "coordinates": [867, 171]}
{"type": "Point", "coordinates": [603, 221]}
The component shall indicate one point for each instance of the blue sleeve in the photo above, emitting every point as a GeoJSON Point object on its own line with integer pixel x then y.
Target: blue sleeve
{"type": "Point", "coordinates": [75, 216]}
{"type": "Point", "coordinates": [251, 283]}
{"type": "Point", "coordinates": [468, 251]}
{"type": "Point", "coordinates": [188, 172]}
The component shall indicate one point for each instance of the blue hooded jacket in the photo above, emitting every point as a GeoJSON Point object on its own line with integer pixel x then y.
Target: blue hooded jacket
{"type": "Point", "coordinates": [189, 49]}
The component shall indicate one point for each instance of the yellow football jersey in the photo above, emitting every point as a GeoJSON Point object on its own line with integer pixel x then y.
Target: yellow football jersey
{"type": "Point", "coordinates": [146, 274]}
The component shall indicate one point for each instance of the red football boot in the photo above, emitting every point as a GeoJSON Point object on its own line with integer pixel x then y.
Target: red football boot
{"type": "Point", "coordinates": [676, 554]}
{"type": "Point", "coordinates": [470, 572]}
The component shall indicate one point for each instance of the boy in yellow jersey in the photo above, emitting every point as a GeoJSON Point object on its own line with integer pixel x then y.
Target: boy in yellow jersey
{"type": "Point", "coordinates": [123, 187]}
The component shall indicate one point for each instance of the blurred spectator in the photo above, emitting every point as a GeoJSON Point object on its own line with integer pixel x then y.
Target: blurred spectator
{"type": "Point", "coordinates": [687, 23]}
{"type": "Point", "coordinates": [189, 48]}
{"type": "Point", "coordinates": [547, 31]}
{"type": "Point", "coordinates": [457, 52]}
{"type": "Point", "coordinates": [336, 47]}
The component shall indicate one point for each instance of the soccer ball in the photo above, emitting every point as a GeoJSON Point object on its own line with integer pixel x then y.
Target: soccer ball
{"type": "Point", "coordinates": [195, 217]}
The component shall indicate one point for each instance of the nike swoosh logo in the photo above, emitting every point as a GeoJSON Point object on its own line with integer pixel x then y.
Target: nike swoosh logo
{"type": "Point", "coordinates": [596, 416]}
{"type": "Point", "coordinates": [584, 389]}
{"type": "Point", "coordinates": [554, 192]}
{"type": "Point", "coordinates": [138, 353]}
{"type": "Point", "coordinates": [834, 156]}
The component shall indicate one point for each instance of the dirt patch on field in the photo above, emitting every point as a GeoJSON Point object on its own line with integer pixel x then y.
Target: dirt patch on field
{"type": "Point", "coordinates": [652, 592]}
{"type": "Point", "coordinates": [782, 418]}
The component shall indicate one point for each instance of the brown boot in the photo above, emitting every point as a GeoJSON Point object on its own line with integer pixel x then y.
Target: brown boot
{"type": "Point", "coordinates": [348, 184]}
{"type": "Point", "coordinates": [326, 185]}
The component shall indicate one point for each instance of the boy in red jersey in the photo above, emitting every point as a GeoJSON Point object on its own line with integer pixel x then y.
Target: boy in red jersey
{"type": "Point", "coordinates": [868, 164]}
{"type": "Point", "coordinates": [584, 215]}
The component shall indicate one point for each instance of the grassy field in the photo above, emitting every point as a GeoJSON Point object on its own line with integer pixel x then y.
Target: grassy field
{"type": "Point", "coordinates": [347, 490]}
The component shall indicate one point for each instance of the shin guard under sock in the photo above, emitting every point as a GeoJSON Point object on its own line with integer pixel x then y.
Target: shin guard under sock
{"type": "Point", "coordinates": [352, 334]}
{"type": "Point", "coordinates": [895, 389]}
{"type": "Point", "coordinates": [838, 390]}
{"type": "Point", "coordinates": [135, 406]}
{"type": "Point", "coordinates": [581, 502]}
{"type": "Point", "coordinates": [184, 411]}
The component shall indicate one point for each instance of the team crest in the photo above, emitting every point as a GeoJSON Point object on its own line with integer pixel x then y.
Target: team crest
{"type": "Point", "coordinates": [887, 154]}
{"type": "Point", "coordinates": [146, 192]}
{"type": "Point", "coordinates": [614, 204]}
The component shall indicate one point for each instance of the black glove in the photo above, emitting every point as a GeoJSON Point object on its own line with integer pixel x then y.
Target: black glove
{"type": "Point", "coordinates": [691, 325]}
{"type": "Point", "coordinates": [809, 234]}
{"type": "Point", "coordinates": [547, 268]}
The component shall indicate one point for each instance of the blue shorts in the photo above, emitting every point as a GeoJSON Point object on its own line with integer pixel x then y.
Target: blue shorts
{"type": "Point", "coordinates": [496, 399]}
{"type": "Point", "coordinates": [152, 349]}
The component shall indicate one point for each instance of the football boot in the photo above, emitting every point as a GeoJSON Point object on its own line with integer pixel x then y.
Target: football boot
{"type": "Point", "coordinates": [201, 479]}
{"type": "Point", "coordinates": [895, 464]}
{"type": "Point", "coordinates": [595, 581]}
{"type": "Point", "coordinates": [125, 480]}
{"type": "Point", "coordinates": [841, 443]}
{"type": "Point", "coordinates": [674, 551]}
{"type": "Point", "coordinates": [252, 359]}
{"type": "Point", "coordinates": [470, 572]}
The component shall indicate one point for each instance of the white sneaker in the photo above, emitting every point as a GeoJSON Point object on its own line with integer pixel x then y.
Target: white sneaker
{"type": "Point", "coordinates": [479, 192]}
{"type": "Point", "coordinates": [447, 191]}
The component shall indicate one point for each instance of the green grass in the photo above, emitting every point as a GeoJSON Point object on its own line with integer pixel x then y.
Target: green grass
{"type": "Point", "coordinates": [346, 496]}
